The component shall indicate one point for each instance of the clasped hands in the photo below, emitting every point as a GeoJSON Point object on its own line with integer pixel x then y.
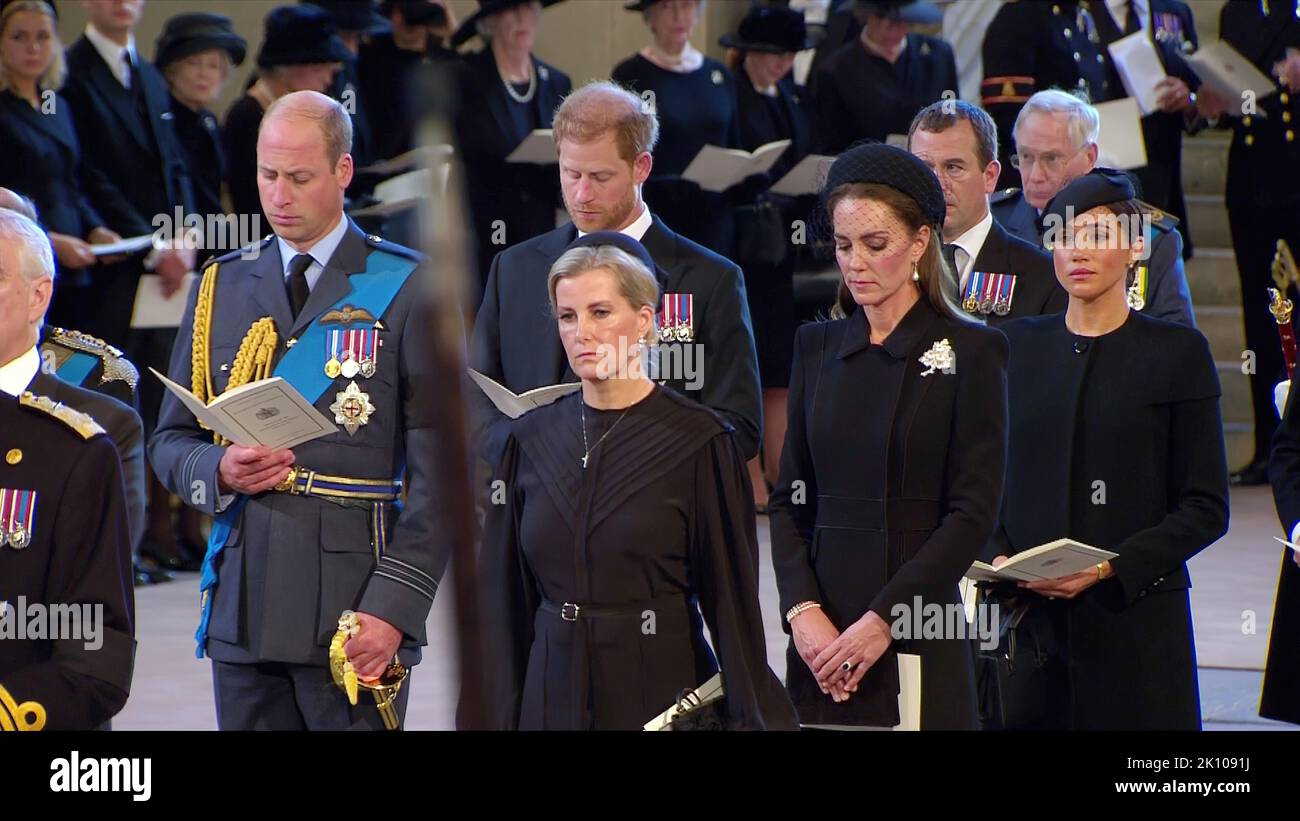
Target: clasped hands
{"type": "Point", "coordinates": [839, 660]}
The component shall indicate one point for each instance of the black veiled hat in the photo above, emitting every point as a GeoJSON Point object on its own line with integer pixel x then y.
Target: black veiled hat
{"type": "Point", "coordinates": [880, 164]}
{"type": "Point", "coordinates": [300, 35]}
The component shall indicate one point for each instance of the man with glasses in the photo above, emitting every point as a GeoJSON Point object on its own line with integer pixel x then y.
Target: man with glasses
{"type": "Point", "coordinates": [999, 276]}
{"type": "Point", "coordinates": [1056, 142]}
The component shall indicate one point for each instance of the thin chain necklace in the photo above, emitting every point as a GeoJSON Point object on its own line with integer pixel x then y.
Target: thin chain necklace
{"type": "Point", "coordinates": [527, 96]}
{"type": "Point", "coordinates": [582, 413]}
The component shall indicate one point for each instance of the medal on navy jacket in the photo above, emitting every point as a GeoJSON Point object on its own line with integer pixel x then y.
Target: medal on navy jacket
{"type": "Point", "coordinates": [677, 318]}
{"type": "Point", "coordinates": [17, 514]}
{"type": "Point", "coordinates": [989, 293]}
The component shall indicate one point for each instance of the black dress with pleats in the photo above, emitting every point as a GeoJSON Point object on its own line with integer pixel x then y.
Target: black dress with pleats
{"type": "Point", "coordinates": [597, 582]}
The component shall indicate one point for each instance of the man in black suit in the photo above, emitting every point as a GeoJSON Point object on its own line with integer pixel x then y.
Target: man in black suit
{"type": "Point", "coordinates": [1056, 142]}
{"type": "Point", "coordinates": [959, 142]}
{"type": "Point", "coordinates": [135, 168]}
{"type": "Point", "coordinates": [602, 167]}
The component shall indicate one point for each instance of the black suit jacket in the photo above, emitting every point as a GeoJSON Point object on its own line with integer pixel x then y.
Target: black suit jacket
{"type": "Point", "coordinates": [123, 426]}
{"type": "Point", "coordinates": [1037, 291]}
{"type": "Point", "coordinates": [135, 167]}
{"type": "Point", "coordinates": [42, 159]}
{"type": "Point", "coordinates": [516, 341]}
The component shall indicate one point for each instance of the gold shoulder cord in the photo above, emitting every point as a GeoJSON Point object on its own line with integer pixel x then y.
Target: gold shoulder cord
{"type": "Point", "coordinates": [252, 362]}
{"type": "Point", "coordinates": [28, 716]}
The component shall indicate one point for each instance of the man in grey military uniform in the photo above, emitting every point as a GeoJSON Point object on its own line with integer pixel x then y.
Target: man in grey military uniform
{"type": "Point", "coordinates": [305, 534]}
{"type": "Point", "coordinates": [1056, 141]}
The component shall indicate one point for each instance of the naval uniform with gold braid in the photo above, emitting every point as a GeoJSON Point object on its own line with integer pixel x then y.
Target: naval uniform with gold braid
{"type": "Point", "coordinates": [65, 543]}
{"type": "Point", "coordinates": [286, 563]}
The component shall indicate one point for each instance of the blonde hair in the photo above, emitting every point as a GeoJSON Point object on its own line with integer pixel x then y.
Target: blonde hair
{"type": "Point", "coordinates": [602, 107]}
{"type": "Point", "coordinates": [173, 68]}
{"type": "Point", "coordinates": [635, 282]}
{"type": "Point", "coordinates": [57, 71]}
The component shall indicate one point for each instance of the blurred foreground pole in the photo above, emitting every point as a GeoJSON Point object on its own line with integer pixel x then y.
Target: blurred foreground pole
{"type": "Point", "coordinates": [444, 239]}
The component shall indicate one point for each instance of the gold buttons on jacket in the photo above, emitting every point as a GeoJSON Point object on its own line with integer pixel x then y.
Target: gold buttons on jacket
{"type": "Point", "coordinates": [1286, 116]}
{"type": "Point", "coordinates": [1246, 121]}
{"type": "Point", "coordinates": [1290, 135]}
{"type": "Point", "coordinates": [1250, 139]}
{"type": "Point", "coordinates": [1285, 98]}
{"type": "Point", "coordinates": [14, 456]}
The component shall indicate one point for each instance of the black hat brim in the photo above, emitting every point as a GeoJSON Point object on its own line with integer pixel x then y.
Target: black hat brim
{"type": "Point", "coordinates": [469, 29]}
{"type": "Point", "coordinates": [331, 51]}
{"type": "Point", "coordinates": [232, 45]}
{"type": "Point", "coordinates": [733, 40]}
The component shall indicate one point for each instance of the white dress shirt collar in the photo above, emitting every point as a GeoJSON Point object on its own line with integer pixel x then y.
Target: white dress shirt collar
{"type": "Point", "coordinates": [112, 52]}
{"type": "Point", "coordinates": [320, 252]}
{"type": "Point", "coordinates": [16, 376]}
{"type": "Point", "coordinates": [969, 245]}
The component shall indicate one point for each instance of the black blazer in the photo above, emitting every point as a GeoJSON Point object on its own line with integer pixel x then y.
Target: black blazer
{"type": "Point", "coordinates": [1134, 416]}
{"type": "Point", "coordinates": [123, 426]}
{"type": "Point", "coordinates": [890, 481]}
{"type": "Point", "coordinates": [1281, 695]}
{"type": "Point", "coordinates": [1037, 291]}
{"type": "Point", "coordinates": [516, 341]}
{"type": "Point", "coordinates": [42, 159]}
{"type": "Point", "coordinates": [135, 167]}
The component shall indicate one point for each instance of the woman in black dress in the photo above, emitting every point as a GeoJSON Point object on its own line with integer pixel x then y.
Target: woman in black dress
{"type": "Point", "coordinates": [695, 98]}
{"type": "Point", "coordinates": [892, 469]}
{"type": "Point", "coordinates": [627, 515]}
{"type": "Point", "coordinates": [1116, 441]}
{"type": "Point", "coordinates": [195, 53]}
{"type": "Point", "coordinates": [301, 51]}
{"type": "Point", "coordinates": [769, 109]}
{"type": "Point", "coordinates": [509, 94]}
{"type": "Point", "coordinates": [41, 157]}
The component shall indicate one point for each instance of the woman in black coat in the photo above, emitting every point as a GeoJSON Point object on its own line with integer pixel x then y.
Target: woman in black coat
{"type": "Point", "coordinates": [509, 94]}
{"type": "Point", "coordinates": [892, 469]}
{"type": "Point", "coordinates": [626, 528]}
{"type": "Point", "coordinates": [1116, 442]}
{"type": "Point", "coordinates": [769, 109]}
{"type": "Point", "coordinates": [1280, 697]}
{"type": "Point", "coordinates": [195, 54]}
{"type": "Point", "coordinates": [41, 157]}
{"type": "Point", "coordinates": [695, 99]}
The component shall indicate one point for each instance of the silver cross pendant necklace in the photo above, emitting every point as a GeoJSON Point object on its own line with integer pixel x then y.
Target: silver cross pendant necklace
{"type": "Point", "coordinates": [582, 414]}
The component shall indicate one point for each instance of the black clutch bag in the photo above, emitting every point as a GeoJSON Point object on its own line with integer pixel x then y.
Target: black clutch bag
{"type": "Point", "coordinates": [1023, 681]}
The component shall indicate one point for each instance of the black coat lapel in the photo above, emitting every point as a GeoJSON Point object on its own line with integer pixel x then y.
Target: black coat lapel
{"type": "Point", "coordinates": [544, 349]}
{"type": "Point", "coordinates": [118, 100]}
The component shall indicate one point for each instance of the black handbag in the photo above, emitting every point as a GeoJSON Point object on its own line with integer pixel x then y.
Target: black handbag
{"type": "Point", "coordinates": [1023, 681]}
{"type": "Point", "coordinates": [694, 717]}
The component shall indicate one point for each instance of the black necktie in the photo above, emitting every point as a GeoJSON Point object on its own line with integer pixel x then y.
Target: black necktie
{"type": "Point", "coordinates": [296, 286]}
{"type": "Point", "coordinates": [950, 255]}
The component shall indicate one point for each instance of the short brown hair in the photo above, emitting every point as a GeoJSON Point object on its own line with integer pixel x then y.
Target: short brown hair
{"type": "Point", "coordinates": [601, 107]}
{"type": "Point", "coordinates": [944, 114]}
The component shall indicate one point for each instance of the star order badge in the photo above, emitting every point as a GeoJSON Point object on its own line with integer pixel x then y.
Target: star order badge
{"type": "Point", "coordinates": [352, 408]}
